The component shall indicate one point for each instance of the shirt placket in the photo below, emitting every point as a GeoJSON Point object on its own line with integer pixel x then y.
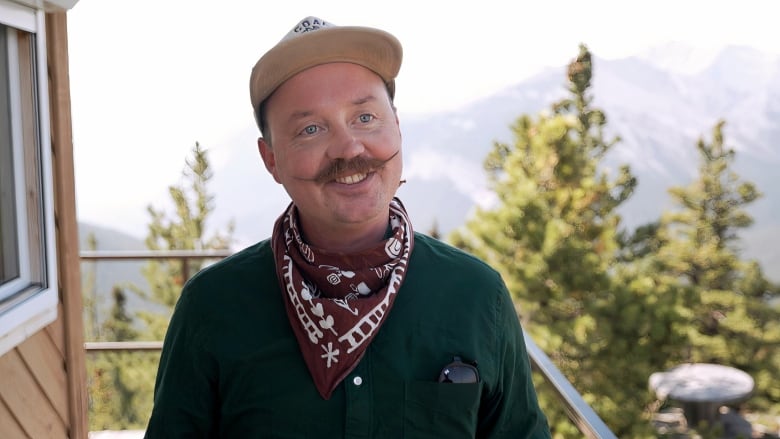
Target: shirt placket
{"type": "Point", "coordinates": [358, 389]}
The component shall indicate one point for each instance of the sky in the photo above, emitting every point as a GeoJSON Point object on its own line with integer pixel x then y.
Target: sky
{"type": "Point", "coordinates": [149, 78]}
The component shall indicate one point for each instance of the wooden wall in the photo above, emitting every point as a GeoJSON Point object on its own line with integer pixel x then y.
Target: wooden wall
{"type": "Point", "coordinates": [43, 380]}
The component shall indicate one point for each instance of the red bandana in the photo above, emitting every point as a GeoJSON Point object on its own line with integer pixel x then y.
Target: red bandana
{"type": "Point", "coordinates": [337, 302]}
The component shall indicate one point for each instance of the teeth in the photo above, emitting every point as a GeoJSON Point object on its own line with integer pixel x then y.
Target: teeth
{"type": "Point", "coordinates": [352, 179]}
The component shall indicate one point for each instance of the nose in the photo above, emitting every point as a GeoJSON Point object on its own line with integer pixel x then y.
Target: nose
{"type": "Point", "coordinates": [344, 144]}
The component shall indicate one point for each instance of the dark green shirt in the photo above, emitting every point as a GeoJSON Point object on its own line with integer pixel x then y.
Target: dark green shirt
{"type": "Point", "coordinates": [231, 367]}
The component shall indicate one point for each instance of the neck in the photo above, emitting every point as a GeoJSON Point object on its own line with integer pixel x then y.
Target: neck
{"type": "Point", "coordinates": [347, 238]}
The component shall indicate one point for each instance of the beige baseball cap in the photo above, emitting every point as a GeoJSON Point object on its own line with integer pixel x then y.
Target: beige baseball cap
{"type": "Point", "coordinates": [314, 41]}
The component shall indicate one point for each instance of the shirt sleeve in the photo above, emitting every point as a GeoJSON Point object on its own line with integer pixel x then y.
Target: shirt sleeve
{"type": "Point", "coordinates": [511, 408]}
{"type": "Point", "coordinates": [185, 394]}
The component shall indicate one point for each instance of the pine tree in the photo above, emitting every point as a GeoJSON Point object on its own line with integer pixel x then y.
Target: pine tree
{"type": "Point", "coordinates": [703, 234]}
{"type": "Point", "coordinates": [184, 230]}
{"type": "Point", "coordinates": [119, 326]}
{"type": "Point", "coordinates": [114, 390]}
{"type": "Point", "coordinates": [122, 384]}
{"type": "Point", "coordinates": [554, 238]}
{"type": "Point", "coordinates": [730, 320]}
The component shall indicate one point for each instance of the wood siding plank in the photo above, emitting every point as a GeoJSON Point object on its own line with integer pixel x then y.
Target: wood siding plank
{"type": "Point", "coordinates": [9, 427]}
{"type": "Point", "coordinates": [25, 401]}
{"type": "Point", "coordinates": [48, 368]}
{"type": "Point", "coordinates": [56, 331]}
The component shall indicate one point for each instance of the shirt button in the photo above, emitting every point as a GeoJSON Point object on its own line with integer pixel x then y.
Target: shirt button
{"type": "Point", "coordinates": [357, 381]}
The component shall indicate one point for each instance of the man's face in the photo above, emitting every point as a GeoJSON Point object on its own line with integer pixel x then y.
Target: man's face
{"type": "Point", "coordinates": [326, 116]}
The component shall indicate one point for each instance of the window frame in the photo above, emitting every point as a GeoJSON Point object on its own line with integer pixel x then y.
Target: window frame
{"type": "Point", "coordinates": [29, 303]}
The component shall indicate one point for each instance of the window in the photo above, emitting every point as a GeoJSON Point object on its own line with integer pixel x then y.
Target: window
{"type": "Point", "coordinates": [28, 283]}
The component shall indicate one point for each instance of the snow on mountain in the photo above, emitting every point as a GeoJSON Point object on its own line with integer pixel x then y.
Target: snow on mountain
{"type": "Point", "coordinates": [679, 58]}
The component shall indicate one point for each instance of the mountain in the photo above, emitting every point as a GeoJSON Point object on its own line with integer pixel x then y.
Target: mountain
{"type": "Point", "coordinates": [659, 103]}
{"type": "Point", "coordinates": [658, 111]}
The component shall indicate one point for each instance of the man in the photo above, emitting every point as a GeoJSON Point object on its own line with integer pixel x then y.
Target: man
{"type": "Point", "coordinates": [346, 323]}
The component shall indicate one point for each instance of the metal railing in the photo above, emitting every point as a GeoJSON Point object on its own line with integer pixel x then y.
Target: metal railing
{"type": "Point", "coordinates": [579, 412]}
{"type": "Point", "coordinates": [94, 347]}
{"type": "Point", "coordinates": [182, 255]}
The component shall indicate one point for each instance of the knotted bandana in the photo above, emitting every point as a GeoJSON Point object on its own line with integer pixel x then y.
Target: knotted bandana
{"type": "Point", "coordinates": [337, 302]}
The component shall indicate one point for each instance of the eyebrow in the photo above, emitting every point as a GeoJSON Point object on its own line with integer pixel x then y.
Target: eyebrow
{"type": "Point", "coordinates": [297, 115]}
{"type": "Point", "coordinates": [363, 100]}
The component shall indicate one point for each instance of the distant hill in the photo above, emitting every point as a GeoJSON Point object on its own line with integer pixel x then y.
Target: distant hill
{"type": "Point", "coordinates": [108, 239]}
{"type": "Point", "coordinates": [112, 273]}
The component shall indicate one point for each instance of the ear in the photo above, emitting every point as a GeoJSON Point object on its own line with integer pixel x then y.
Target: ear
{"type": "Point", "coordinates": [267, 153]}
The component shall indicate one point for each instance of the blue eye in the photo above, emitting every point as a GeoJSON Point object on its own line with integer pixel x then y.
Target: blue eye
{"type": "Point", "coordinates": [365, 118]}
{"type": "Point", "coordinates": [311, 129]}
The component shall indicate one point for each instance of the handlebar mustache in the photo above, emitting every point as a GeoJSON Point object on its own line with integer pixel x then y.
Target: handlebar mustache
{"type": "Point", "coordinates": [341, 167]}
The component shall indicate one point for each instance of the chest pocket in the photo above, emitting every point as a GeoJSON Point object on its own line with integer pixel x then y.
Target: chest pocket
{"type": "Point", "coordinates": [441, 410]}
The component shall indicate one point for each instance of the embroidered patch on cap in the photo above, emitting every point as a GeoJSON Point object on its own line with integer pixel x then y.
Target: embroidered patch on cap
{"type": "Point", "coordinates": [309, 24]}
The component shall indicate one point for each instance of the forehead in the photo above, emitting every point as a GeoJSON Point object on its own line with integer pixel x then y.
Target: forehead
{"type": "Point", "coordinates": [327, 83]}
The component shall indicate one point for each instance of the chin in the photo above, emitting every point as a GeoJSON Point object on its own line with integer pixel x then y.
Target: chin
{"type": "Point", "coordinates": [362, 211]}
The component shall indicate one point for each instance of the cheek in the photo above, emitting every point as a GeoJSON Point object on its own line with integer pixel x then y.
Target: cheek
{"type": "Point", "coordinates": [388, 145]}
{"type": "Point", "coordinates": [298, 166]}
{"type": "Point", "coordinates": [398, 165]}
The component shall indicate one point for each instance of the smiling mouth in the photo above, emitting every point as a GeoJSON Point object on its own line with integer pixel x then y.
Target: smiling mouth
{"type": "Point", "coordinates": [352, 179]}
